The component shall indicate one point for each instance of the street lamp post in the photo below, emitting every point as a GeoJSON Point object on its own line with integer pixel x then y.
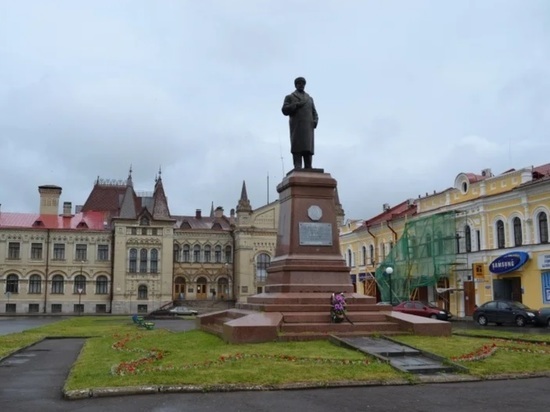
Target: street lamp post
{"type": "Point", "coordinates": [80, 290]}
{"type": "Point", "coordinates": [389, 271]}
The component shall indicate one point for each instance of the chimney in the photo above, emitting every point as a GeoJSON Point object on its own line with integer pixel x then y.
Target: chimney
{"type": "Point", "coordinates": [218, 212]}
{"type": "Point", "coordinates": [198, 214]}
{"type": "Point", "coordinates": [49, 199]}
{"type": "Point", "coordinates": [67, 208]}
{"type": "Point", "coordinates": [386, 207]}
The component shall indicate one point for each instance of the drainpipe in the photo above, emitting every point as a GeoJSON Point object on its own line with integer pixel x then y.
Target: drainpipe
{"type": "Point", "coordinates": [47, 269]}
{"type": "Point", "coordinates": [394, 232]}
{"type": "Point", "coordinates": [373, 258]}
{"type": "Point", "coordinates": [111, 292]}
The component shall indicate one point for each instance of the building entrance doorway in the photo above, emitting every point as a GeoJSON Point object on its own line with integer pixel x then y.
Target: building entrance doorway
{"type": "Point", "coordinates": [507, 289]}
{"type": "Point", "coordinates": [201, 288]}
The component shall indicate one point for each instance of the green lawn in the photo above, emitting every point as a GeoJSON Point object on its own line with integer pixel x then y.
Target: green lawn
{"type": "Point", "coordinates": [118, 353]}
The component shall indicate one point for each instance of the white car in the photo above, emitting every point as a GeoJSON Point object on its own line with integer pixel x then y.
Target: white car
{"type": "Point", "coordinates": [183, 310]}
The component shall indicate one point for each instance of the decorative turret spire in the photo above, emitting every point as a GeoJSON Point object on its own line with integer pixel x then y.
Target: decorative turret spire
{"type": "Point", "coordinates": [129, 180]}
{"type": "Point", "coordinates": [160, 203]}
{"type": "Point", "coordinates": [212, 209]}
{"type": "Point", "coordinates": [244, 203]}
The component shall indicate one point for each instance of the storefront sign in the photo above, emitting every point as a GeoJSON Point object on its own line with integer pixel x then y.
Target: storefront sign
{"type": "Point", "coordinates": [508, 262]}
{"type": "Point", "coordinates": [544, 261]}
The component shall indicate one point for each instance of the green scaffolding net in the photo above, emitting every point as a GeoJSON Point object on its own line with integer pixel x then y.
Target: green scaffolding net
{"type": "Point", "coordinates": [425, 253]}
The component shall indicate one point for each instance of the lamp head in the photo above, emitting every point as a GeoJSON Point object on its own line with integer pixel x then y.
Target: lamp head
{"type": "Point", "coordinates": [389, 270]}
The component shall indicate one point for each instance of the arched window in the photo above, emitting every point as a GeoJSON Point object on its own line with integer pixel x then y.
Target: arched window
{"type": "Point", "coordinates": [501, 240]}
{"type": "Point", "coordinates": [143, 261]}
{"type": "Point", "coordinates": [58, 284]}
{"type": "Point", "coordinates": [363, 255]}
{"type": "Point", "coordinates": [262, 263]}
{"type": "Point", "coordinates": [218, 254]}
{"type": "Point", "coordinates": [207, 253]}
{"type": "Point", "coordinates": [542, 221]}
{"type": "Point", "coordinates": [132, 266]}
{"type": "Point", "coordinates": [101, 285]}
{"type": "Point", "coordinates": [350, 263]}
{"type": "Point", "coordinates": [197, 254]}
{"type": "Point", "coordinates": [79, 284]}
{"type": "Point", "coordinates": [35, 284]}
{"type": "Point", "coordinates": [186, 254]}
{"type": "Point", "coordinates": [142, 292]}
{"type": "Point", "coordinates": [468, 238]}
{"type": "Point", "coordinates": [154, 261]}
{"type": "Point", "coordinates": [228, 254]}
{"type": "Point", "coordinates": [518, 237]}
{"type": "Point", "coordinates": [371, 254]}
{"type": "Point", "coordinates": [177, 250]}
{"type": "Point", "coordinates": [12, 284]}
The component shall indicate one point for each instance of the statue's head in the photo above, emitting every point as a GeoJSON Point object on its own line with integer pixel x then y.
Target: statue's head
{"type": "Point", "coordinates": [300, 83]}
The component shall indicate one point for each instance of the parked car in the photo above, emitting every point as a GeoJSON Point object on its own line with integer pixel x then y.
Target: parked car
{"type": "Point", "coordinates": [504, 311]}
{"type": "Point", "coordinates": [419, 308]}
{"type": "Point", "coordinates": [183, 310]}
{"type": "Point", "coordinates": [159, 314]}
{"type": "Point", "coordinates": [542, 317]}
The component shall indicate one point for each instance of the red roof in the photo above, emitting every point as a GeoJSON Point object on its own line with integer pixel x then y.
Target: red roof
{"type": "Point", "coordinates": [401, 210]}
{"type": "Point", "coordinates": [88, 220]}
{"type": "Point", "coordinates": [202, 223]}
{"type": "Point", "coordinates": [540, 171]}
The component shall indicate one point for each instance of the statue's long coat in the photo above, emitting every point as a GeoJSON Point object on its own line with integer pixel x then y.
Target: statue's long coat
{"type": "Point", "coordinates": [302, 122]}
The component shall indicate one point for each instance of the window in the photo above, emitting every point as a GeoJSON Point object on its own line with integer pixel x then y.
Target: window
{"type": "Point", "coordinates": [11, 308]}
{"type": "Point", "coordinates": [144, 231]}
{"type": "Point", "coordinates": [262, 263]}
{"type": "Point", "coordinates": [101, 308]}
{"type": "Point", "coordinates": [207, 253]}
{"type": "Point", "coordinates": [12, 284]}
{"type": "Point", "coordinates": [371, 253]}
{"type": "Point", "coordinates": [196, 253]}
{"type": "Point", "coordinates": [101, 285]}
{"type": "Point", "coordinates": [78, 308]}
{"type": "Point", "coordinates": [36, 251]}
{"type": "Point", "coordinates": [13, 250]}
{"type": "Point", "coordinates": [132, 266]}
{"type": "Point", "coordinates": [501, 242]}
{"type": "Point", "coordinates": [103, 252]}
{"type": "Point", "coordinates": [468, 238]}
{"type": "Point", "coordinates": [57, 285]}
{"type": "Point", "coordinates": [34, 307]}
{"type": "Point", "coordinates": [59, 251]}
{"type": "Point", "coordinates": [349, 258]}
{"type": "Point", "coordinates": [79, 284]}
{"type": "Point", "coordinates": [35, 284]}
{"type": "Point", "coordinates": [133, 230]}
{"type": "Point", "coordinates": [364, 256]}
{"type": "Point", "coordinates": [144, 221]}
{"type": "Point", "coordinates": [186, 254]}
{"type": "Point", "coordinates": [518, 238]}
{"type": "Point", "coordinates": [478, 239]}
{"type": "Point", "coordinates": [177, 250]}
{"type": "Point", "coordinates": [542, 221]}
{"type": "Point", "coordinates": [81, 252]}
{"type": "Point", "coordinates": [218, 254]}
{"type": "Point", "coordinates": [143, 261]}
{"type": "Point", "coordinates": [228, 254]}
{"type": "Point", "coordinates": [56, 308]}
{"type": "Point", "coordinates": [545, 287]}
{"type": "Point", "coordinates": [154, 231]}
{"type": "Point", "coordinates": [142, 292]}
{"type": "Point", "coordinates": [142, 308]}
{"type": "Point", "coordinates": [154, 260]}
{"type": "Point", "coordinates": [428, 245]}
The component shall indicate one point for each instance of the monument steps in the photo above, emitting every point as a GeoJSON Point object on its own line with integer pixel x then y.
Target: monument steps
{"type": "Point", "coordinates": [311, 307]}
{"type": "Point", "coordinates": [306, 336]}
{"type": "Point", "coordinates": [324, 317]}
{"type": "Point", "coordinates": [332, 328]}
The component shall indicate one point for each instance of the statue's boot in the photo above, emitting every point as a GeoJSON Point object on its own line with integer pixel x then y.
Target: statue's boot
{"type": "Point", "coordinates": [297, 159]}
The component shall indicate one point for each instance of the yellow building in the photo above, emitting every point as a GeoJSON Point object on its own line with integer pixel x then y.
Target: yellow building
{"type": "Point", "coordinates": [500, 242]}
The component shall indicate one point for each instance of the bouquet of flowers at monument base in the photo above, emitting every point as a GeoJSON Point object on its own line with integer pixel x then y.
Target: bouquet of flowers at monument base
{"type": "Point", "coordinates": [338, 307]}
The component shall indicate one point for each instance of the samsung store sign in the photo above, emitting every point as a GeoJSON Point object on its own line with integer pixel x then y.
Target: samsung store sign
{"type": "Point", "coordinates": [508, 262]}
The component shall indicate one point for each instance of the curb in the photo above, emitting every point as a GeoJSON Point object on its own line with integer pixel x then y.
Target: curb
{"type": "Point", "coordinates": [153, 389]}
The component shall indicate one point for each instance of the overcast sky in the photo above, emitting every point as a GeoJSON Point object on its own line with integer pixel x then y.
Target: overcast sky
{"type": "Point", "coordinates": [409, 93]}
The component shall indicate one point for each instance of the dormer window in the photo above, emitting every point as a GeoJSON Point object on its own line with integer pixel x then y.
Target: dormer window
{"type": "Point", "coordinates": [462, 183]}
{"type": "Point", "coordinates": [144, 221]}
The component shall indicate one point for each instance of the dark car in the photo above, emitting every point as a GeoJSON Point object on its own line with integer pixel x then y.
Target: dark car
{"type": "Point", "coordinates": [504, 311]}
{"type": "Point", "coordinates": [419, 308]}
{"type": "Point", "coordinates": [159, 314]}
{"type": "Point", "coordinates": [542, 317]}
{"type": "Point", "coordinates": [183, 310]}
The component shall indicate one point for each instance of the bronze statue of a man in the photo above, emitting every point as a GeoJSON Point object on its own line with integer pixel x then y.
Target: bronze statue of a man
{"type": "Point", "coordinates": [303, 119]}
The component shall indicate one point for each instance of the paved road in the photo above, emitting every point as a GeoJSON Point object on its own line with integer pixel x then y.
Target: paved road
{"type": "Point", "coordinates": [14, 324]}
